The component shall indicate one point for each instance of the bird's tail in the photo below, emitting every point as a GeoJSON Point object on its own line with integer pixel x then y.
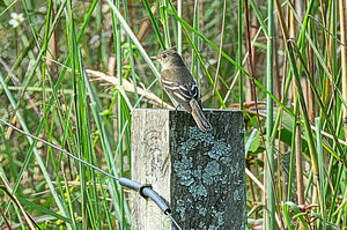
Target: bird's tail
{"type": "Point", "coordinates": [199, 117]}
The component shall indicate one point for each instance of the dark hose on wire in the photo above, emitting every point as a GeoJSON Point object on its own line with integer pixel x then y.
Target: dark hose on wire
{"type": "Point", "coordinates": [146, 192]}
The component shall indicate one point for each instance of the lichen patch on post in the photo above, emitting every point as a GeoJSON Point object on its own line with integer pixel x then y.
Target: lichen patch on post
{"type": "Point", "coordinates": [207, 175]}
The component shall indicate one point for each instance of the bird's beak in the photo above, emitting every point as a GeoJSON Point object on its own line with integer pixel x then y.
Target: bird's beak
{"type": "Point", "coordinates": [155, 58]}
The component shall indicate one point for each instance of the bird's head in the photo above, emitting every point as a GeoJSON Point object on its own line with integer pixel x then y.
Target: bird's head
{"type": "Point", "coordinates": [169, 58]}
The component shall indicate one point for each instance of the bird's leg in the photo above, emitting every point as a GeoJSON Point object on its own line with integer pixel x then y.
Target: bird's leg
{"type": "Point", "coordinates": [176, 108]}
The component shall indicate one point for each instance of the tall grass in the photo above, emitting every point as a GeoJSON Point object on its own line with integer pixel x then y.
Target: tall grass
{"type": "Point", "coordinates": [55, 83]}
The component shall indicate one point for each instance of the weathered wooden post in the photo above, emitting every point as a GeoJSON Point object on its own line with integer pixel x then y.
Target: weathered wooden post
{"type": "Point", "coordinates": [200, 174]}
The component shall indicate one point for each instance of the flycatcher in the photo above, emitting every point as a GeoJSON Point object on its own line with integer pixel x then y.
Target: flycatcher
{"type": "Point", "coordinates": [177, 80]}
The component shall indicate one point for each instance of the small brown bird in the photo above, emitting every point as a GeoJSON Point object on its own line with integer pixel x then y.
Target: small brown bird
{"type": "Point", "coordinates": [177, 80]}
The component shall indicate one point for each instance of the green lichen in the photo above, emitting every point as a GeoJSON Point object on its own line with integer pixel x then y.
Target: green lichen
{"type": "Point", "coordinates": [202, 225]}
{"type": "Point", "coordinates": [197, 172]}
{"type": "Point", "coordinates": [226, 160]}
{"type": "Point", "coordinates": [181, 209]}
{"type": "Point", "coordinates": [220, 149]}
{"type": "Point", "coordinates": [198, 191]}
{"type": "Point", "coordinates": [211, 171]}
{"type": "Point", "coordinates": [183, 170]}
{"type": "Point", "coordinates": [224, 179]}
{"type": "Point", "coordinates": [202, 210]}
{"type": "Point", "coordinates": [220, 218]}
{"type": "Point", "coordinates": [204, 137]}
{"type": "Point", "coordinates": [237, 195]}
{"type": "Point", "coordinates": [208, 168]}
{"type": "Point", "coordinates": [212, 227]}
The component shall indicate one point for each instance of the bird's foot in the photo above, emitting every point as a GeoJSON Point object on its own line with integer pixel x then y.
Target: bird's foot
{"type": "Point", "coordinates": [177, 107]}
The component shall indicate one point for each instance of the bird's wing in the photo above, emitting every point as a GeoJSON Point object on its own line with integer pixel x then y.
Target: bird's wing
{"type": "Point", "coordinates": [177, 90]}
{"type": "Point", "coordinates": [180, 83]}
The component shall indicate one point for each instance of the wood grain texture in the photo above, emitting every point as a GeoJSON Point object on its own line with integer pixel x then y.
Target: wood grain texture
{"type": "Point", "coordinates": [150, 165]}
{"type": "Point", "coordinates": [200, 174]}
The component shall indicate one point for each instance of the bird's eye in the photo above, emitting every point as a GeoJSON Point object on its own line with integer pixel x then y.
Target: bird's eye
{"type": "Point", "coordinates": [164, 56]}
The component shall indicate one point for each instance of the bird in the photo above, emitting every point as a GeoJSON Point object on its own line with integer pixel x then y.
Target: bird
{"type": "Point", "coordinates": [179, 82]}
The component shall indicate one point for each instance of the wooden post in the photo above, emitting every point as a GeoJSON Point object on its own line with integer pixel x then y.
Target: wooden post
{"type": "Point", "coordinates": [200, 174]}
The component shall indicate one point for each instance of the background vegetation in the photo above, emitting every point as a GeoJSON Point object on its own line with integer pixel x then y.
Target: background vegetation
{"type": "Point", "coordinates": [72, 72]}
